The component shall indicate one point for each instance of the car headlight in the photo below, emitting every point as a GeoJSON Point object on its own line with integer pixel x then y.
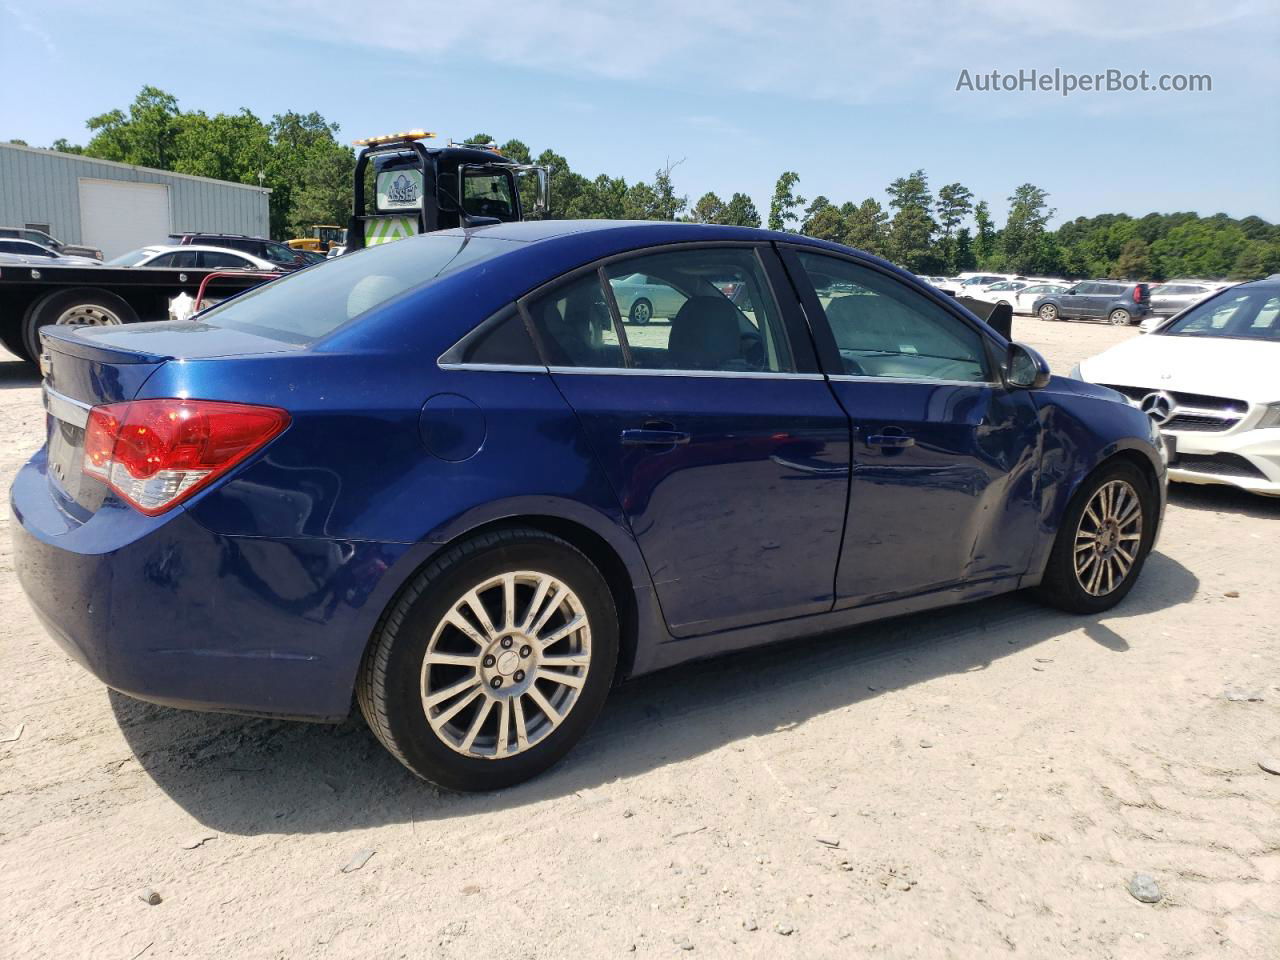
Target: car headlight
{"type": "Point", "coordinates": [1270, 417]}
{"type": "Point", "coordinates": [1075, 373]}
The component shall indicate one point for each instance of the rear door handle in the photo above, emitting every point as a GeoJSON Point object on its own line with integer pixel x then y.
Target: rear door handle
{"type": "Point", "coordinates": [890, 440]}
{"type": "Point", "coordinates": [650, 437]}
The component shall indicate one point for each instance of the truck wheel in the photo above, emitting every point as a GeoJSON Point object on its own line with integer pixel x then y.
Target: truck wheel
{"type": "Point", "coordinates": [87, 307]}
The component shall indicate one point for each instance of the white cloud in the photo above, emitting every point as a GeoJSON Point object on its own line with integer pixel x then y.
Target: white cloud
{"type": "Point", "coordinates": [819, 50]}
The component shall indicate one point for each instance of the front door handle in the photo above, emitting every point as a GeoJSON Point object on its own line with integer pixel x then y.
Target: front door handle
{"type": "Point", "coordinates": [893, 440]}
{"type": "Point", "coordinates": [648, 437]}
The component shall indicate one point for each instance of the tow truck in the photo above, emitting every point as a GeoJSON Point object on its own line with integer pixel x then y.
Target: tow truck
{"type": "Point", "coordinates": [402, 186]}
{"type": "Point", "coordinates": [418, 187]}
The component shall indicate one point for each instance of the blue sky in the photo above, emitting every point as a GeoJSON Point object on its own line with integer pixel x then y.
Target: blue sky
{"type": "Point", "coordinates": [848, 95]}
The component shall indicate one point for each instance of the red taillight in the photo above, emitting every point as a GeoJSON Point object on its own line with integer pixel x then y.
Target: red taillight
{"type": "Point", "coordinates": [157, 453]}
{"type": "Point", "coordinates": [1137, 293]}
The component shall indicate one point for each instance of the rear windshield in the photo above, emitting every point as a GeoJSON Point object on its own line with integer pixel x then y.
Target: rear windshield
{"type": "Point", "coordinates": [314, 302]}
{"type": "Point", "coordinates": [132, 258]}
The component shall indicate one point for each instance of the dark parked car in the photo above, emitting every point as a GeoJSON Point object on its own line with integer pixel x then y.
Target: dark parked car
{"type": "Point", "coordinates": [276, 252]}
{"type": "Point", "coordinates": [449, 475]}
{"type": "Point", "coordinates": [1118, 301]}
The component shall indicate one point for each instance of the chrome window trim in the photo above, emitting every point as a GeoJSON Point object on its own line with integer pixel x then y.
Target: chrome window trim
{"type": "Point", "coordinates": [495, 367]}
{"type": "Point", "coordinates": [61, 407]}
{"type": "Point", "coordinates": [855, 378]}
{"type": "Point", "coordinates": [720, 374]}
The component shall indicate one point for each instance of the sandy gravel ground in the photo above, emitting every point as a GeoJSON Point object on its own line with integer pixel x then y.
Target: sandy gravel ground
{"type": "Point", "coordinates": [976, 783]}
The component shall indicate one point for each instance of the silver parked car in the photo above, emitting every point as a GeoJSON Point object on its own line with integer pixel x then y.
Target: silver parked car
{"type": "Point", "coordinates": [27, 251]}
{"type": "Point", "coordinates": [1175, 296]}
{"type": "Point", "coordinates": [641, 298]}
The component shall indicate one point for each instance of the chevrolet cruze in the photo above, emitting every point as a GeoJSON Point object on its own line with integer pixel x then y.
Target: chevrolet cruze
{"type": "Point", "coordinates": [449, 478]}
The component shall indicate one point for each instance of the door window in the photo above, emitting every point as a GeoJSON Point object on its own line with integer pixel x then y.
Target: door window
{"type": "Point", "coordinates": [882, 328]}
{"type": "Point", "coordinates": [699, 309]}
{"type": "Point", "coordinates": [210, 259]}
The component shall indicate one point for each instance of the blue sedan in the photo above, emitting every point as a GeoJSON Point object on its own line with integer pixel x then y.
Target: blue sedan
{"type": "Point", "coordinates": [448, 476]}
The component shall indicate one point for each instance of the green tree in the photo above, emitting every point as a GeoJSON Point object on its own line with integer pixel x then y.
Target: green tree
{"type": "Point", "coordinates": [866, 226]}
{"type": "Point", "coordinates": [667, 205]}
{"type": "Point", "coordinates": [709, 209]}
{"type": "Point", "coordinates": [955, 202]}
{"type": "Point", "coordinates": [785, 203]}
{"type": "Point", "coordinates": [962, 255]}
{"type": "Point", "coordinates": [63, 145]}
{"type": "Point", "coordinates": [1029, 214]}
{"type": "Point", "coordinates": [827, 223]}
{"type": "Point", "coordinates": [1134, 262]}
{"type": "Point", "coordinates": [986, 242]}
{"type": "Point", "coordinates": [912, 228]}
{"type": "Point", "coordinates": [741, 212]}
{"type": "Point", "coordinates": [145, 136]}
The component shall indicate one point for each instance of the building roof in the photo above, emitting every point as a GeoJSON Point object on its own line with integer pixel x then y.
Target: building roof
{"type": "Point", "coordinates": [129, 166]}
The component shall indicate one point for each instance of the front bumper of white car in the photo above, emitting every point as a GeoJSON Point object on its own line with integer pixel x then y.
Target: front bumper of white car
{"type": "Point", "coordinates": [1216, 440]}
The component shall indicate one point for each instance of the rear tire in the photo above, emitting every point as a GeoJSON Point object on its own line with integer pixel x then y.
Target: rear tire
{"type": "Point", "coordinates": [498, 728]}
{"type": "Point", "coordinates": [1120, 318]}
{"type": "Point", "coordinates": [1101, 544]}
{"type": "Point", "coordinates": [88, 307]}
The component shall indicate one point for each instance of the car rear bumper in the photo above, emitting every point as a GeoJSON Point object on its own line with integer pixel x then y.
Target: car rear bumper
{"type": "Point", "coordinates": [165, 610]}
{"type": "Point", "coordinates": [1248, 459]}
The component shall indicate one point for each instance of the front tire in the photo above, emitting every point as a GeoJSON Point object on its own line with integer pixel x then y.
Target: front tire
{"type": "Point", "coordinates": [1048, 312]}
{"type": "Point", "coordinates": [641, 311]}
{"type": "Point", "coordinates": [1120, 318]}
{"type": "Point", "coordinates": [493, 662]}
{"type": "Point", "coordinates": [1103, 542]}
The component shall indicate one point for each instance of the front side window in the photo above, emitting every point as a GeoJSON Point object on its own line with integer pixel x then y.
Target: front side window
{"type": "Point", "coordinates": [882, 328]}
{"type": "Point", "coordinates": [1242, 314]}
{"type": "Point", "coordinates": [698, 309]}
{"type": "Point", "coordinates": [278, 253]}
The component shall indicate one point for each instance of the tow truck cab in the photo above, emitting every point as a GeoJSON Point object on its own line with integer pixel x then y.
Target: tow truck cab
{"type": "Point", "coordinates": [404, 186]}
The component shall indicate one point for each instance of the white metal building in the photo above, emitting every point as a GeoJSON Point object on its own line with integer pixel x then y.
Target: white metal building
{"type": "Point", "coordinates": [118, 207]}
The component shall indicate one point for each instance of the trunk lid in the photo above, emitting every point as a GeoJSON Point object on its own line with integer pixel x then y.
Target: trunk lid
{"type": "Point", "coordinates": [84, 367]}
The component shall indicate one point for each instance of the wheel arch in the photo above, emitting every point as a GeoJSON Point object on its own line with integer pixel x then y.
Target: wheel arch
{"type": "Point", "coordinates": [1069, 487]}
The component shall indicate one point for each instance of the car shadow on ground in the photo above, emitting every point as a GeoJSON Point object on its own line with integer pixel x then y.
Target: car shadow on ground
{"type": "Point", "coordinates": [250, 776]}
{"type": "Point", "coordinates": [17, 373]}
{"type": "Point", "coordinates": [1221, 498]}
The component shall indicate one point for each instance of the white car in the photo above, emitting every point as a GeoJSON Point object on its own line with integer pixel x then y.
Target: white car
{"type": "Point", "coordinates": [1174, 296]}
{"type": "Point", "coordinates": [193, 257]}
{"type": "Point", "coordinates": [1209, 379]}
{"type": "Point", "coordinates": [1018, 294]}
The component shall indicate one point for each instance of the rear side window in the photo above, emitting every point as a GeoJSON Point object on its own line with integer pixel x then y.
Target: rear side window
{"type": "Point", "coordinates": [310, 304]}
{"type": "Point", "coordinates": [502, 340]}
{"type": "Point", "coordinates": [222, 261]}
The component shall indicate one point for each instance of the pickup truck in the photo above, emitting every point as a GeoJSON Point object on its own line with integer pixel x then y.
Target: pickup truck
{"type": "Point", "coordinates": [34, 296]}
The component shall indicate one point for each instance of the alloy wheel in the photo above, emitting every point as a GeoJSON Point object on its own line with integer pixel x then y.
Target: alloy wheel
{"type": "Point", "coordinates": [1120, 317]}
{"type": "Point", "coordinates": [506, 664]}
{"type": "Point", "coordinates": [1048, 312]}
{"type": "Point", "coordinates": [1108, 538]}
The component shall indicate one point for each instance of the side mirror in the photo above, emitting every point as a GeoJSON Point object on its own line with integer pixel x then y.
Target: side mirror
{"type": "Point", "coordinates": [1025, 368]}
